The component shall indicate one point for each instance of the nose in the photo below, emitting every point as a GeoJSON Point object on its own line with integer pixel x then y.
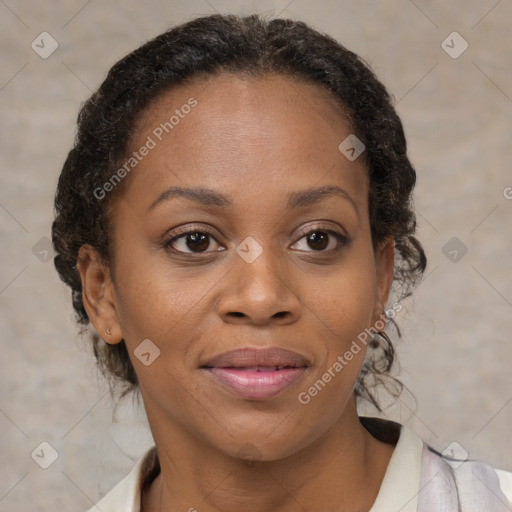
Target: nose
{"type": "Point", "coordinates": [259, 293]}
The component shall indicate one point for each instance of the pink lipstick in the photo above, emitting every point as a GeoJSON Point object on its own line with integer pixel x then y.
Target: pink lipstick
{"type": "Point", "coordinates": [254, 373]}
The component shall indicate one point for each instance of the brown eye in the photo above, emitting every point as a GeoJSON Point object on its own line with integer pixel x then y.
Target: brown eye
{"type": "Point", "coordinates": [191, 242]}
{"type": "Point", "coordinates": [318, 240]}
{"type": "Point", "coordinates": [197, 241]}
{"type": "Point", "coordinates": [321, 240]}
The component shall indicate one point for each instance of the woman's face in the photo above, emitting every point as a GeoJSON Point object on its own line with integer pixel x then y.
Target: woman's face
{"type": "Point", "coordinates": [261, 159]}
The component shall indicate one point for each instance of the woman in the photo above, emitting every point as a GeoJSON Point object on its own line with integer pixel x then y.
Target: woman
{"type": "Point", "coordinates": [235, 221]}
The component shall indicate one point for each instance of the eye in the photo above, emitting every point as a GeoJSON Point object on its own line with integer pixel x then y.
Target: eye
{"type": "Point", "coordinates": [197, 241]}
{"type": "Point", "coordinates": [322, 240]}
{"type": "Point", "coordinates": [192, 241]}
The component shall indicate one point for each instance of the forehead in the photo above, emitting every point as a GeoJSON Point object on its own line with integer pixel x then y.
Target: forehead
{"type": "Point", "coordinates": [249, 90]}
{"type": "Point", "coordinates": [245, 130]}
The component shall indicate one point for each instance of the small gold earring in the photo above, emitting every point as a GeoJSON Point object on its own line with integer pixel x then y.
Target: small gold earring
{"type": "Point", "coordinates": [107, 331]}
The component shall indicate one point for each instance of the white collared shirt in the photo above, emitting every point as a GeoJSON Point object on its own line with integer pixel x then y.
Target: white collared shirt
{"type": "Point", "coordinates": [417, 479]}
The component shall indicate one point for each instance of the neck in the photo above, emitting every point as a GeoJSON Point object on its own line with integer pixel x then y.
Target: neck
{"type": "Point", "coordinates": [343, 469]}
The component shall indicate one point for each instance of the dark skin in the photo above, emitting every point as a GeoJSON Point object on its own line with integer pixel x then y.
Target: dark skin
{"type": "Point", "coordinates": [254, 140]}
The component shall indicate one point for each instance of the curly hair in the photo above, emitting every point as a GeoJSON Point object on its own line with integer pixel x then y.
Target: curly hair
{"type": "Point", "coordinates": [253, 46]}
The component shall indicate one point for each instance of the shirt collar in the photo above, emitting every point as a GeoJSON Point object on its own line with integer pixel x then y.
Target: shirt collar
{"type": "Point", "coordinates": [401, 483]}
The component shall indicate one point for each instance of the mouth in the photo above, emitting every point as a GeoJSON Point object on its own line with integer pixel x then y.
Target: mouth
{"type": "Point", "coordinates": [257, 373]}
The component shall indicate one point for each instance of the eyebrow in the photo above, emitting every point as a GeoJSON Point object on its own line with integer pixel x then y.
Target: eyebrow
{"type": "Point", "coordinates": [209, 197]}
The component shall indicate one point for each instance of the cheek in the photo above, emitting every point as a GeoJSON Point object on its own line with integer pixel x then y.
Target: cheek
{"type": "Point", "coordinates": [346, 304]}
{"type": "Point", "coordinates": [344, 313]}
{"type": "Point", "coordinates": [346, 309]}
{"type": "Point", "coordinates": [157, 304]}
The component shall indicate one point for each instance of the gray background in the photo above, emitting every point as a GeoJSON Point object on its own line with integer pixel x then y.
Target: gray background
{"type": "Point", "coordinates": [457, 112]}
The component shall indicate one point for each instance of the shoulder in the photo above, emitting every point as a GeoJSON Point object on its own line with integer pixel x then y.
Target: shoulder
{"type": "Point", "coordinates": [420, 479]}
{"type": "Point", "coordinates": [470, 485]}
{"type": "Point", "coordinates": [126, 495]}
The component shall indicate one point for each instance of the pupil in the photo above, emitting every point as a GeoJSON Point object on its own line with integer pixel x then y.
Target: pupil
{"type": "Point", "coordinates": [199, 241]}
{"type": "Point", "coordinates": [315, 238]}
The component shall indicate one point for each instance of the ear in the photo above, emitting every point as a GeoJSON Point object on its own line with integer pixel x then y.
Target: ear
{"type": "Point", "coordinates": [385, 268]}
{"type": "Point", "coordinates": [98, 295]}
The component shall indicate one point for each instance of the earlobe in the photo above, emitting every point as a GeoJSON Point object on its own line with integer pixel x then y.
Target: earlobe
{"type": "Point", "coordinates": [98, 294]}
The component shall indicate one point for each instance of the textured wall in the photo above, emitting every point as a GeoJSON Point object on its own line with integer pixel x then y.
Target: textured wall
{"type": "Point", "coordinates": [457, 343]}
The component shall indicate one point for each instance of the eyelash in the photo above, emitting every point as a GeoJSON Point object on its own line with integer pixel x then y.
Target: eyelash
{"type": "Point", "coordinates": [173, 237]}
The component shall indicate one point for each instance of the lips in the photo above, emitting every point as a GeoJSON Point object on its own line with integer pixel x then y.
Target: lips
{"type": "Point", "coordinates": [257, 374]}
{"type": "Point", "coordinates": [273, 358]}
